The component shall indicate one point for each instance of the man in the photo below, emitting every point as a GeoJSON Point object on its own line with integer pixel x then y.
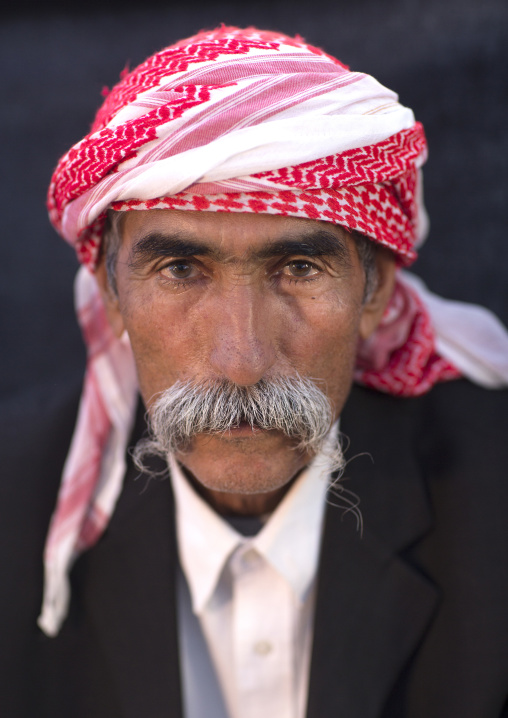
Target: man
{"type": "Point", "coordinates": [243, 201]}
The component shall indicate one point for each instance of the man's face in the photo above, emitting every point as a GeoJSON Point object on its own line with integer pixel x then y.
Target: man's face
{"type": "Point", "coordinates": [207, 295]}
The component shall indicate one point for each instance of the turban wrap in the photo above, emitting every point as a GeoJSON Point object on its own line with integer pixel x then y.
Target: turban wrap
{"type": "Point", "coordinates": [245, 121]}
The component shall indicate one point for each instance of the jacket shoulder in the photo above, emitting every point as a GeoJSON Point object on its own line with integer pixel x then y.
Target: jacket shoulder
{"type": "Point", "coordinates": [35, 433]}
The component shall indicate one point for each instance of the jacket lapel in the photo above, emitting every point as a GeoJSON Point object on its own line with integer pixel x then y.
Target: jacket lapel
{"type": "Point", "coordinates": [129, 592]}
{"type": "Point", "coordinates": [372, 606]}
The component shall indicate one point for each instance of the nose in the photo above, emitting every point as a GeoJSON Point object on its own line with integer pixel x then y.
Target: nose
{"type": "Point", "coordinates": [243, 341]}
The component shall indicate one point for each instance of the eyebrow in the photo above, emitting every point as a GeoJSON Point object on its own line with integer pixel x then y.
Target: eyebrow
{"type": "Point", "coordinates": [315, 243]}
{"type": "Point", "coordinates": [318, 243]}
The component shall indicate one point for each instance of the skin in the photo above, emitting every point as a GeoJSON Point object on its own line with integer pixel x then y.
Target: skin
{"type": "Point", "coordinates": [243, 296]}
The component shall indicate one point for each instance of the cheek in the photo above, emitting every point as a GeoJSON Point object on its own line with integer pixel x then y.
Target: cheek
{"type": "Point", "coordinates": [160, 337]}
{"type": "Point", "coordinates": [321, 341]}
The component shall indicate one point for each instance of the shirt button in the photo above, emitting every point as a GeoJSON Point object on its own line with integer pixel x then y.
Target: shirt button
{"type": "Point", "coordinates": [263, 648]}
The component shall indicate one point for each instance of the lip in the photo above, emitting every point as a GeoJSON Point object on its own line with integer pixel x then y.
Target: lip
{"type": "Point", "coordinates": [243, 429]}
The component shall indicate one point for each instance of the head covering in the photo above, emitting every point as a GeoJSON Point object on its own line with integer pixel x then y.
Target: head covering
{"type": "Point", "coordinates": [216, 123]}
{"type": "Point", "coordinates": [245, 121]}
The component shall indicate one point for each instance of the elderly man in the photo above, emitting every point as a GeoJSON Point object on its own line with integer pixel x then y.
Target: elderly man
{"type": "Point", "coordinates": [243, 206]}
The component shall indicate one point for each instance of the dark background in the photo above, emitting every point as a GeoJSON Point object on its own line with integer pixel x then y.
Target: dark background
{"type": "Point", "coordinates": [448, 59]}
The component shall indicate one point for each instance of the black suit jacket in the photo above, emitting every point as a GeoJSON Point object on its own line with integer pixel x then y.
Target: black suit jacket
{"type": "Point", "coordinates": [411, 616]}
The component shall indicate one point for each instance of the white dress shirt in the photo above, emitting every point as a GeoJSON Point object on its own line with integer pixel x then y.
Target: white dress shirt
{"type": "Point", "coordinates": [246, 604]}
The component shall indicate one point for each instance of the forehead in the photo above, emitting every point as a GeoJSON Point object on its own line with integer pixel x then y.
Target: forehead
{"type": "Point", "coordinates": [235, 233]}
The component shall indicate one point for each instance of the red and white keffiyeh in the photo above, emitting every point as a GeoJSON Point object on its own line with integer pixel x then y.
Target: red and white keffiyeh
{"type": "Point", "coordinates": [245, 121]}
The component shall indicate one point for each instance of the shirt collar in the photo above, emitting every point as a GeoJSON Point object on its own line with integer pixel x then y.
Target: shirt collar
{"type": "Point", "coordinates": [289, 540]}
{"type": "Point", "coordinates": [205, 540]}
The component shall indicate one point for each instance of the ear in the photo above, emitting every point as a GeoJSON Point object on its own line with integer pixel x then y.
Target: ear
{"type": "Point", "coordinates": [375, 306]}
{"type": "Point", "coordinates": [109, 298]}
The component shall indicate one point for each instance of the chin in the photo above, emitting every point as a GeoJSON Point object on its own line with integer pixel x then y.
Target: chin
{"type": "Point", "coordinates": [244, 465]}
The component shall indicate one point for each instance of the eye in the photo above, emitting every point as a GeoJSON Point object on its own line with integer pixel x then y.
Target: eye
{"type": "Point", "coordinates": [300, 268]}
{"type": "Point", "coordinates": [179, 270]}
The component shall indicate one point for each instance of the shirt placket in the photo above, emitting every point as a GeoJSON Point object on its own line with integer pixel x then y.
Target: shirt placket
{"type": "Point", "coordinates": [262, 638]}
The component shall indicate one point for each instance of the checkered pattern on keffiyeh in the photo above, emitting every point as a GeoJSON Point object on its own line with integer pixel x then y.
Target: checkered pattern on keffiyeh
{"type": "Point", "coordinates": [217, 124]}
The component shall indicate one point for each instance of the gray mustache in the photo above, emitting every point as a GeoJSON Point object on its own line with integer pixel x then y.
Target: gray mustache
{"type": "Point", "coordinates": [292, 405]}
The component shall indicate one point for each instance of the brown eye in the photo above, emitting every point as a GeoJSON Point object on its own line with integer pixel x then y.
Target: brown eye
{"type": "Point", "coordinates": [301, 268]}
{"type": "Point", "coordinates": [179, 270]}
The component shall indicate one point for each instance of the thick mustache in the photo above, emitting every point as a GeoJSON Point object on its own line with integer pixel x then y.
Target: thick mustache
{"type": "Point", "coordinates": [287, 404]}
{"type": "Point", "coordinates": [292, 404]}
